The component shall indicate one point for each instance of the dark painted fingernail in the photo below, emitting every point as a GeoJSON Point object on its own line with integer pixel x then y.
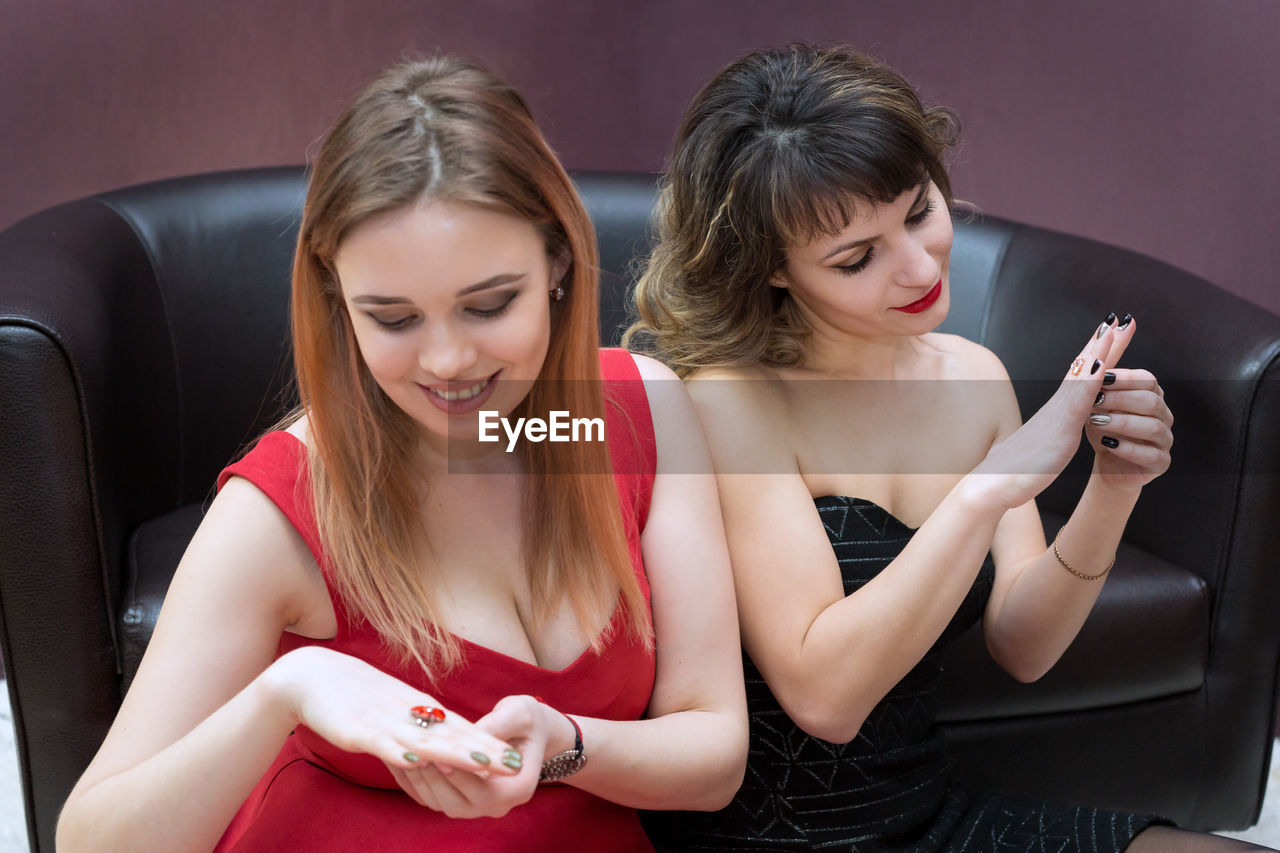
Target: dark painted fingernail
{"type": "Point", "coordinates": [1096, 365]}
{"type": "Point", "coordinates": [1124, 323]}
{"type": "Point", "coordinates": [1099, 420]}
{"type": "Point", "coordinates": [1109, 378]}
{"type": "Point", "coordinates": [1108, 441]}
{"type": "Point", "coordinates": [479, 758]}
{"type": "Point", "coordinates": [411, 757]}
{"type": "Point", "coordinates": [1111, 318]}
{"type": "Point", "coordinates": [1097, 401]}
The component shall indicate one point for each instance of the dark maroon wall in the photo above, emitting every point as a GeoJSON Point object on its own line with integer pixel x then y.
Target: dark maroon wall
{"type": "Point", "coordinates": [1154, 124]}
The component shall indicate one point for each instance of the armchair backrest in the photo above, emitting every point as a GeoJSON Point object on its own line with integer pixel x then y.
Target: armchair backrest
{"type": "Point", "coordinates": [142, 340]}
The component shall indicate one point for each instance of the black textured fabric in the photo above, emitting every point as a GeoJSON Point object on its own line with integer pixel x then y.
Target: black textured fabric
{"type": "Point", "coordinates": [890, 788]}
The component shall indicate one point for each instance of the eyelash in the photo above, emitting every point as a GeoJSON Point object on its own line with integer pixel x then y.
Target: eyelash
{"type": "Point", "coordinates": [491, 313]}
{"type": "Point", "coordinates": [394, 325]}
{"type": "Point", "coordinates": [482, 313]}
{"type": "Point", "coordinates": [922, 215]}
{"type": "Point", "coordinates": [858, 265]}
{"type": "Point", "coordinates": [861, 264]}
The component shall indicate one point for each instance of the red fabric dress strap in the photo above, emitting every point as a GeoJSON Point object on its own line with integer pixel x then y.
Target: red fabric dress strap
{"type": "Point", "coordinates": [632, 446]}
{"type": "Point", "coordinates": [277, 465]}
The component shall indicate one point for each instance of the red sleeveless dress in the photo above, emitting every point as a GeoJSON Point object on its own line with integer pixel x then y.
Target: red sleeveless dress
{"type": "Point", "coordinates": [316, 797]}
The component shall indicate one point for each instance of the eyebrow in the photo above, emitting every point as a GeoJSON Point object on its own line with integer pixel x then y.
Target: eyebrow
{"type": "Point", "coordinates": [844, 247]}
{"type": "Point", "coordinates": [487, 284]}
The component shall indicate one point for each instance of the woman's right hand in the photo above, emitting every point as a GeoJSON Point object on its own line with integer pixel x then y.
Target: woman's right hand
{"type": "Point", "coordinates": [359, 708]}
{"type": "Point", "coordinates": [1025, 462]}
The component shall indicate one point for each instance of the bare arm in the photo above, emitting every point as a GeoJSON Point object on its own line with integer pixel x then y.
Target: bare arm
{"type": "Point", "coordinates": [1037, 606]}
{"type": "Point", "coordinates": [690, 752]}
{"type": "Point", "coordinates": [209, 711]}
{"type": "Point", "coordinates": [197, 725]}
{"type": "Point", "coordinates": [828, 657]}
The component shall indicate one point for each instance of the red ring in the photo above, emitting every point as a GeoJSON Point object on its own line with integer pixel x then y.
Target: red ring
{"type": "Point", "coordinates": [427, 715]}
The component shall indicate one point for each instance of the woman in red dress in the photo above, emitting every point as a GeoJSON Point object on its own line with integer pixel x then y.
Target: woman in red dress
{"type": "Point", "coordinates": [392, 631]}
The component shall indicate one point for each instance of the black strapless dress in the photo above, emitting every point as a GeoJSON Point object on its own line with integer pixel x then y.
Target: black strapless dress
{"type": "Point", "coordinates": [890, 788]}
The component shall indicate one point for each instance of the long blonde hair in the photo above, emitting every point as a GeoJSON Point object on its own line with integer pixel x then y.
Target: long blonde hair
{"type": "Point", "coordinates": [448, 130]}
{"type": "Point", "coordinates": [776, 149]}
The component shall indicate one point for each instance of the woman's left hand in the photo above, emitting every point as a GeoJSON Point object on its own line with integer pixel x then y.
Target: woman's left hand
{"type": "Point", "coordinates": [1132, 446]}
{"type": "Point", "coordinates": [532, 728]}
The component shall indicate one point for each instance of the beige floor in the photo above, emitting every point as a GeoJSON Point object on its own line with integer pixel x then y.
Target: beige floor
{"type": "Point", "coordinates": [13, 827]}
{"type": "Point", "coordinates": [13, 831]}
{"type": "Point", "coordinates": [1267, 830]}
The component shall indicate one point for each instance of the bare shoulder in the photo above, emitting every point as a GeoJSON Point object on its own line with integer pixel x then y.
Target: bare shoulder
{"type": "Point", "coordinates": [711, 390]}
{"type": "Point", "coordinates": [993, 394]}
{"type": "Point", "coordinates": [747, 372]}
{"type": "Point", "coordinates": [736, 390]}
{"type": "Point", "coordinates": [248, 544]}
{"type": "Point", "coordinates": [240, 507]}
{"type": "Point", "coordinates": [299, 429]}
{"type": "Point", "coordinates": [664, 390]}
{"type": "Point", "coordinates": [651, 368]}
{"type": "Point", "coordinates": [680, 443]}
{"type": "Point", "coordinates": [744, 413]}
{"type": "Point", "coordinates": [966, 359]}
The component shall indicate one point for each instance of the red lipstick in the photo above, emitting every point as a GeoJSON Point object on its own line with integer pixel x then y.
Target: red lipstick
{"type": "Point", "coordinates": [924, 301]}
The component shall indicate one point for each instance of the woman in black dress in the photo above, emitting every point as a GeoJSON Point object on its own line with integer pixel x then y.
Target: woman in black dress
{"type": "Point", "coordinates": [877, 482]}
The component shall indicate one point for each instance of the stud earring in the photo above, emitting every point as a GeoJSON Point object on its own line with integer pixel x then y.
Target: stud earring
{"type": "Point", "coordinates": [558, 293]}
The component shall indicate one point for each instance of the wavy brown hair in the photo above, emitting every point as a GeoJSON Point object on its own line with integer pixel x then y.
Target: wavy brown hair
{"type": "Point", "coordinates": [446, 130]}
{"type": "Point", "coordinates": [778, 148]}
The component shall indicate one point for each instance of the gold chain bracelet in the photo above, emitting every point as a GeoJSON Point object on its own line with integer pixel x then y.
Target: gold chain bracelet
{"type": "Point", "coordinates": [1077, 572]}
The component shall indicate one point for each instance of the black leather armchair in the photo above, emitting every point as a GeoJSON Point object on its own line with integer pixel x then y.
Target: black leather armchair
{"type": "Point", "coordinates": [143, 341]}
